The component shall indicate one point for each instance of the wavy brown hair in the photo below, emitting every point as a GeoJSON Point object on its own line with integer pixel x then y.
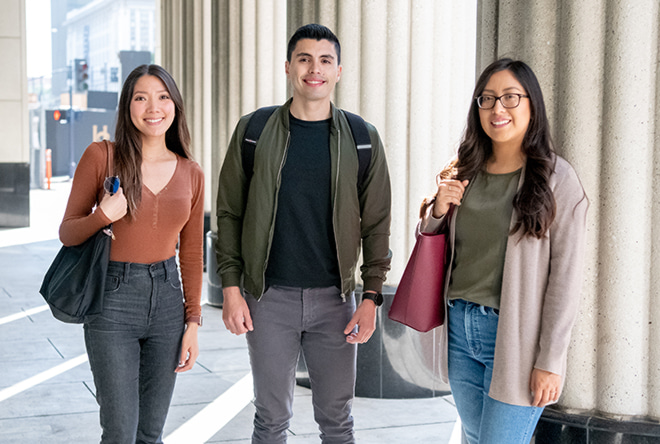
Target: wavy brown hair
{"type": "Point", "coordinates": [128, 139]}
{"type": "Point", "coordinates": [534, 203]}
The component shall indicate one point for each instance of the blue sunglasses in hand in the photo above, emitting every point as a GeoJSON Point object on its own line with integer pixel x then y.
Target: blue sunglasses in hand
{"type": "Point", "coordinates": [111, 184]}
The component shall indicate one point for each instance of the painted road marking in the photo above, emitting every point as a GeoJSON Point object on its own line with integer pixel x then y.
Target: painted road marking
{"type": "Point", "coordinates": [41, 377]}
{"type": "Point", "coordinates": [23, 314]}
{"type": "Point", "coordinates": [208, 421]}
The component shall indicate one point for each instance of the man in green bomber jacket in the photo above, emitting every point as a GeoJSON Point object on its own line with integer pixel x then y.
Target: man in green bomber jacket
{"type": "Point", "coordinates": [290, 236]}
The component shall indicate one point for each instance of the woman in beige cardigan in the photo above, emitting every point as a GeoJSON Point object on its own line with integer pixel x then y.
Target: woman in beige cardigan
{"type": "Point", "coordinates": [516, 248]}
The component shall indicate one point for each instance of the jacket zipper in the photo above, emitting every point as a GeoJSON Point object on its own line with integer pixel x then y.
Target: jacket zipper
{"type": "Point", "coordinates": [334, 215]}
{"type": "Point", "coordinates": [272, 226]}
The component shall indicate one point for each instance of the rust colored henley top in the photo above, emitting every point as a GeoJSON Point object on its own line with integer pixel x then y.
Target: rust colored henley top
{"type": "Point", "coordinates": [175, 214]}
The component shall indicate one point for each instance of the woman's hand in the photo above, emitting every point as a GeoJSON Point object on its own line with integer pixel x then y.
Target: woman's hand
{"type": "Point", "coordinates": [544, 387]}
{"type": "Point", "coordinates": [450, 191]}
{"type": "Point", "coordinates": [114, 207]}
{"type": "Point", "coordinates": [189, 348]}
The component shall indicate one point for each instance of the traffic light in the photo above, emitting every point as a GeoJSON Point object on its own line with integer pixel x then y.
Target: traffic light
{"type": "Point", "coordinates": [81, 75]}
{"type": "Point", "coordinates": [61, 115]}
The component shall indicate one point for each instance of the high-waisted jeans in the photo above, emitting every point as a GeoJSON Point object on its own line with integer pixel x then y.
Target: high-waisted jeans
{"type": "Point", "coordinates": [472, 333]}
{"type": "Point", "coordinates": [133, 349]}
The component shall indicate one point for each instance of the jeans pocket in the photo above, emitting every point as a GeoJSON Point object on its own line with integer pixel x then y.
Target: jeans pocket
{"type": "Point", "coordinates": [175, 281]}
{"type": "Point", "coordinates": [112, 283]}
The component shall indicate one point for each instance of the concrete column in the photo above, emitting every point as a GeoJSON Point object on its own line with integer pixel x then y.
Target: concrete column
{"type": "Point", "coordinates": [578, 135]}
{"type": "Point", "coordinates": [14, 144]}
{"type": "Point", "coordinates": [227, 57]}
{"type": "Point", "coordinates": [598, 66]}
{"type": "Point", "coordinates": [187, 54]}
{"type": "Point", "coordinates": [13, 84]}
{"type": "Point", "coordinates": [628, 121]}
{"type": "Point", "coordinates": [396, 119]}
{"type": "Point", "coordinates": [347, 28]}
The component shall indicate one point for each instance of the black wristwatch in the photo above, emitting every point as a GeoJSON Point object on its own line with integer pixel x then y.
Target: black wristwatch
{"type": "Point", "coordinates": [376, 297]}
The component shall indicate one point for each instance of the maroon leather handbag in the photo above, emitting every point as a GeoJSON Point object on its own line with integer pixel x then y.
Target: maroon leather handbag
{"type": "Point", "coordinates": [419, 300]}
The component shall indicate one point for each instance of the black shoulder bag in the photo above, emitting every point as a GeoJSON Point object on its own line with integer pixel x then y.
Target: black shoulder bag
{"type": "Point", "coordinates": [73, 285]}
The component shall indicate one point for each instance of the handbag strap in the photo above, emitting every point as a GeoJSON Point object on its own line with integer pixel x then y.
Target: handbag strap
{"type": "Point", "coordinates": [110, 165]}
{"type": "Point", "coordinates": [109, 171]}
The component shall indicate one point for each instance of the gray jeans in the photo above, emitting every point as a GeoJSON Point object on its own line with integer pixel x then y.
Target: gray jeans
{"type": "Point", "coordinates": [287, 321]}
{"type": "Point", "coordinates": [133, 349]}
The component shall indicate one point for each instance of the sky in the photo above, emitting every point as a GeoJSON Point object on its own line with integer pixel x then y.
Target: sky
{"type": "Point", "coordinates": [38, 38]}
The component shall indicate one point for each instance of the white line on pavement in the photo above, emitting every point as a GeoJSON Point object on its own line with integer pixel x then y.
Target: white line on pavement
{"type": "Point", "coordinates": [206, 423]}
{"type": "Point", "coordinates": [41, 377]}
{"type": "Point", "coordinates": [23, 314]}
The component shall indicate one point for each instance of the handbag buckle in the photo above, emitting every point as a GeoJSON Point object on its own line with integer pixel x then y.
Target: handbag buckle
{"type": "Point", "coordinates": [108, 232]}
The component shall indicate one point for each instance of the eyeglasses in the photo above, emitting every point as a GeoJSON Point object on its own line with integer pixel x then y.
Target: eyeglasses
{"type": "Point", "coordinates": [111, 184]}
{"type": "Point", "coordinates": [507, 101]}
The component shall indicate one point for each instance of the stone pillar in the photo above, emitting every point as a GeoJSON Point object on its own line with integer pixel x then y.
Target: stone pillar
{"type": "Point", "coordinates": [14, 145]}
{"type": "Point", "coordinates": [227, 57]}
{"type": "Point", "coordinates": [597, 62]}
{"type": "Point", "coordinates": [186, 52]}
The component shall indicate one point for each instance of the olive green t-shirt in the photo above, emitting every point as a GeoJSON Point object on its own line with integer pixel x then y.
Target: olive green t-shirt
{"type": "Point", "coordinates": [482, 229]}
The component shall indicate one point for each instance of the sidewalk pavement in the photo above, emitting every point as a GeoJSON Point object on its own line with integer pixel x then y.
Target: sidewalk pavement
{"type": "Point", "coordinates": [47, 390]}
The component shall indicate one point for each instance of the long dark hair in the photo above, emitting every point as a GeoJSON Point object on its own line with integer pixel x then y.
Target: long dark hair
{"type": "Point", "coordinates": [128, 139]}
{"type": "Point", "coordinates": [534, 203]}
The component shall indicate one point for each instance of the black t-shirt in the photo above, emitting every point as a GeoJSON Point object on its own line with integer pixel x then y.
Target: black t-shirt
{"type": "Point", "coordinates": [303, 252]}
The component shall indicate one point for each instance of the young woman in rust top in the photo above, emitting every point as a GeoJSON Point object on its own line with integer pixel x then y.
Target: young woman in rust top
{"type": "Point", "coordinates": [148, 330]}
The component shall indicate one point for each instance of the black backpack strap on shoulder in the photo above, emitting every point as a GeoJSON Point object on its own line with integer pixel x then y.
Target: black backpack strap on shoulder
{"type": "Point", "coordinates": [252, 133]}
{"type": "Point", "coordinates": [362, 143]}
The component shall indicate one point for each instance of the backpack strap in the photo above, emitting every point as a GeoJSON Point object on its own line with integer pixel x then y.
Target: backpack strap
{"type": "Point", "coordinates": [252, 133]}
{"type": "Point", "coordinates": [258, 121]}
{"type": "Point", "coordinates": [362, 143]}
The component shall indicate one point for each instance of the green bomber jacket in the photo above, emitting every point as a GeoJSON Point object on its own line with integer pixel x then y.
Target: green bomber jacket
{"type": "Point", "coordinates": [246, 210]}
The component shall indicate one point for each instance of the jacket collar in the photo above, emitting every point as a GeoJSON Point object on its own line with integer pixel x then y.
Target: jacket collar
{"type": "Point", "coordinates": [284, 110]}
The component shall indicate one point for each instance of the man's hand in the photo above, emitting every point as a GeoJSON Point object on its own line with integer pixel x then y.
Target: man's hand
{"type": "Point", "coordinates": [365, 320]}
{"type": "Point", "coordinates": [544, 387]}
{"type": "Point", "coordinates": [235, 311]}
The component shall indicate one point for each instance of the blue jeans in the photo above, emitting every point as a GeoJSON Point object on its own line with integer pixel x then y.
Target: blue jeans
{"type": "Point", "coordinates": [472, 332]}
{"type": "Point", "coordinates": [286, 321]}
{"type": "Point", "coordinates": [133, 349]}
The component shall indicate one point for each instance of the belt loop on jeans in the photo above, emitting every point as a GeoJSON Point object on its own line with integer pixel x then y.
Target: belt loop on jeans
{"type": "Point", "coordinates": [166, 265]}
{"type": "Point", "coordinates": [483, 309]}
{"type": "Point", "coordinates": [127, 271]}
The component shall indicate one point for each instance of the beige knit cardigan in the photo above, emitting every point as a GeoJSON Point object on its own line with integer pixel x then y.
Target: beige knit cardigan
{"type": "Point", "coordinates": [540, 292]}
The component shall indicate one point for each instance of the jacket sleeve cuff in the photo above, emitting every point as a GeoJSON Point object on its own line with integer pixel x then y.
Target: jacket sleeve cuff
{"type": "Point", "coordinates": [373, 284]}
{"type": "Point", "coordinates": [230, 279]}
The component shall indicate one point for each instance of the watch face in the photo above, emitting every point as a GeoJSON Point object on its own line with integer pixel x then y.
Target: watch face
{"type": "Point", "coordinates": [377, 298]}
